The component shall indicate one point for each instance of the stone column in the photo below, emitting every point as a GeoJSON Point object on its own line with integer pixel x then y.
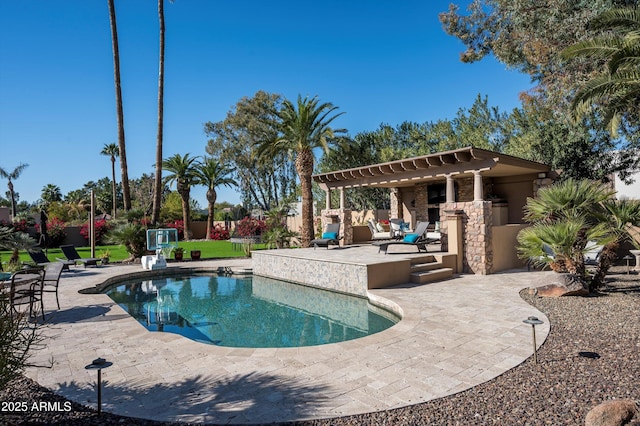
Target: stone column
{"type": "Point", "coordinates": [477, 186]}
{"type": "Point", "coordinates": [451, 190]}
{"type": "Point", "coordinates": [327, 199]}
{"type": "Point", "coordinates": [422, 202]}
{"type": "Point", "coordinates": [395, 199]}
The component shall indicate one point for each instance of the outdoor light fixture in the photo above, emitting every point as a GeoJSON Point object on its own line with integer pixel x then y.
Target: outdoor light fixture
{"type": "Point", "coordinates": [628, 258]}
{"type": "Point", "coordinates": [542, 175]}
{"type": "Point", "coordinates": [99, 364]}
{"type": "Point", "coordinates": [533, 321]}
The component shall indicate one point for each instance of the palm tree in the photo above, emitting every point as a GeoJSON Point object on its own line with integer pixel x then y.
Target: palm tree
{"type": "Point", "coordinates": [212, 174]}
{"type": "Point", "coordinates": [618, 89]}
{"type": "Point", "coordinates": [620, 214]}
{"type": "Point", "coordinates": [571, 217]}
{"type": "Point", "coordinates": [112, 150]}
{"type": "Point", "coordinates": [126, 194]}
{"type": "Point", "coordinates": [158, 184]}
{"type": "Point", "coordinates": [304, 127]}
{"type": "Point", "coordinates": [11, 176]}
{"type": "Point", "coordinates": [182, 172]}
{"type": "Point", "coordinates": [51, 193]}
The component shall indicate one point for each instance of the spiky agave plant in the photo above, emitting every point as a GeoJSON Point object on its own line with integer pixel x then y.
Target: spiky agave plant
{"type": "Point", "coordinates": [14, 241]}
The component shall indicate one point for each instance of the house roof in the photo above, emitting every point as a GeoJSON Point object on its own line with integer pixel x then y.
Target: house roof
{"type": "Point", "coordinates": [409, 171]}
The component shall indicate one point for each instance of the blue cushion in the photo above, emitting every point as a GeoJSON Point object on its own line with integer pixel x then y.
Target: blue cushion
{"type": "Point", "coordinates": [330, 235]}
{"type": "Point", "coordinates": [411, 238]}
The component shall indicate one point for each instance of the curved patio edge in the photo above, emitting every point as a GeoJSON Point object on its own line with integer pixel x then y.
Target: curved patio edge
{"type": "Point", "coordinates": [454, 335]}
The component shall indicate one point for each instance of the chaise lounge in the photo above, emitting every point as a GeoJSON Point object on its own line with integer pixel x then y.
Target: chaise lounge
{"type": "Point", "coordinates": [419, 239]}
{"type": "Point", "coordinates": [329, 237]}
{"type": "Point", "coordinates": [71, 254]}
{"type": "Point", "coordinates": [39, 258]}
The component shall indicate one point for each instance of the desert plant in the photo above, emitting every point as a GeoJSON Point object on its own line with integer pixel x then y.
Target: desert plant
{"type": "Point", "coordinates": [132, 236]}
{"type": "Point", "coordinates": [17, 337]}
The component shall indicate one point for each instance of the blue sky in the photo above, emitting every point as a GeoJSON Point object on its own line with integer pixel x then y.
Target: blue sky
{"type": "Point", "coordinates": [378, 61]}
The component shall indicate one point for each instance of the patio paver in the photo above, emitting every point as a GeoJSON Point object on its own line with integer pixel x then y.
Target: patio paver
{"type": "Point", "coordinates": [455, 334]}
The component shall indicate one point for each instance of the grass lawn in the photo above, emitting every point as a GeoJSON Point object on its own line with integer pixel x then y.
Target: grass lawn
{"type": "Point", "coordinates": [209, 249]}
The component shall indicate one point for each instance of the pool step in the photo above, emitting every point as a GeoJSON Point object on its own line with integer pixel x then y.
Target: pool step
{"type": "Point", "coordinates": [428, 270]}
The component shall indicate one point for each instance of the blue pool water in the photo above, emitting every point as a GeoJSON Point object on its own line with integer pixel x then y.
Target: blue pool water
{"type": "Point", "coordinates": [250, 312]}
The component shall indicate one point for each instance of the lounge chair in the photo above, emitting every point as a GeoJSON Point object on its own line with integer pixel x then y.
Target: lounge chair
{"type": "Point", "coordinates": [418, 238]}
{"type": "Point", "coordinates": [41, 259]}
{"type": "Point", "coordinates": [375, 234]}
{"type": "Point", "coordinates": [330, 236]}
{"type": "Point", "coordinates": [72, 255]}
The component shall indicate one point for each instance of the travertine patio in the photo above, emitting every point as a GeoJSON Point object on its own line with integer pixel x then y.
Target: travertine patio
{"type": "Point", "coordinates": [454, 335]}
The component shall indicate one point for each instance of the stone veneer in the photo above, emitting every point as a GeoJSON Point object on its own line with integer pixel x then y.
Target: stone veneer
{"type": "Point", "coordinates": [346, 278]}
{"type": "Point", "coordinates": [421, 202]}
{"type": "Point", "coordinates": [476, 229]}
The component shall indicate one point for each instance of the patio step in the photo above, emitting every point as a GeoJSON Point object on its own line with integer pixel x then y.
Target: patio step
{"type": "Point", "coordinates": [427, 276]}
{"type": "Point", "coordinates": [426, 266]}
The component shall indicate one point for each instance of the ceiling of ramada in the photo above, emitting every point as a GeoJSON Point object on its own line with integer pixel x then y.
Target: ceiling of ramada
{"type": "Point", "coordinates": [431, 167]}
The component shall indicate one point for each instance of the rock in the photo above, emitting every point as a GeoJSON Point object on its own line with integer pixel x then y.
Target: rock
{"type": "Point", "coordinates": [563, 285]}
{"type": "Point", "coordinates": [612, 413]}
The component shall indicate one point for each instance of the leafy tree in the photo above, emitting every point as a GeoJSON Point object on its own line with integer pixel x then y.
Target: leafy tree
{"type": "Point", "coordinates": [119, 110]}
{"type": "Point", "coordinates": [182, 170]}
{"type": "Point", "coordinates": [112, 151]}
{"type": "Point", "coordinates": [581, 150]}
{"type": "Point", "coordinates": [618, 89]}
{"type": "Point", "coordinates": [142, 193]}
{"type": "Point", "coordinates": [11, 176]}
{"type": "Point", "coordinates": [529, 37]}
{"type": "Point", "coordinates": [253, 121]}
{"type": "Point", "coordinates": [304, 126]}
{"type": "Point", "coordinates": [102, 190]}
{"type": "Point", "coordinates": [211, 174]}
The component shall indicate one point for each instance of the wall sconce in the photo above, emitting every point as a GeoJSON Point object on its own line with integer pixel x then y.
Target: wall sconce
{"type": "Point", "coordinates": [542, 175]}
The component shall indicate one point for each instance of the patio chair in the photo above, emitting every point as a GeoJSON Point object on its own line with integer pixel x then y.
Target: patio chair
{"type": "Point", "coordinates": [329, 237]}
{"type": "Point", "coordinates": [418, 238]}
{"type": "Point", "coordinates": [52, 272]}
{"type": "Point", "coordinates": [39, 258]}
{"type": "Point", "coordinates": [375, 234]}
{"type": "Point", "coordinates": [72, 255]}
{"type": "Point", "coordinates": [26, 289]}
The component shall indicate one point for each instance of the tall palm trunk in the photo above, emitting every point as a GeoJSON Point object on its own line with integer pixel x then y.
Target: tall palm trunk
{"type": "Point", "coordinates": [304, 167]}
{"type": "Point", "coordinates": [126, 195]}
{"type": "Point", "coordinates": [13, 199]}
{"type": "Point", "coordinates": [211, 199]}
{"type": "Point", "coordinates": [157, 189]}
{"type": "Point", "coordinates": [184, 192]}
{"type": "Point", "coordinates": [113, 184]}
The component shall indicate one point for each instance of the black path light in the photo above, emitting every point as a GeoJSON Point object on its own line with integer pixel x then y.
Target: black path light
{"type": "Point", "coordinates": [534, 321]}
{"type": "Point", "coordinates": [99, 364]}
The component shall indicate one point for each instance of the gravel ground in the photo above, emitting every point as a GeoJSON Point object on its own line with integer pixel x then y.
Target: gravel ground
{"type": "Point", "coordinates": [559, 390]}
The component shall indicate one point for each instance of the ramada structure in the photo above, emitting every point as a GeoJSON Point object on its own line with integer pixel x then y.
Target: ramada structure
{"type": "Point", "coordinates": [475, 195]}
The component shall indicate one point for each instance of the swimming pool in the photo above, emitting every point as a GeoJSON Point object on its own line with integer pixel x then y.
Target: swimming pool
{"type": "Point", "coordinates": [248, 311]}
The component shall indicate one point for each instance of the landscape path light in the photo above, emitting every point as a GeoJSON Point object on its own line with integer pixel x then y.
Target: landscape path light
{"type": "Point", "coordinates": [533, 321]}
{"type": "Point", "coordinates": [628, 258]}
{"type": "Point", "coordinates": [99, 364]}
